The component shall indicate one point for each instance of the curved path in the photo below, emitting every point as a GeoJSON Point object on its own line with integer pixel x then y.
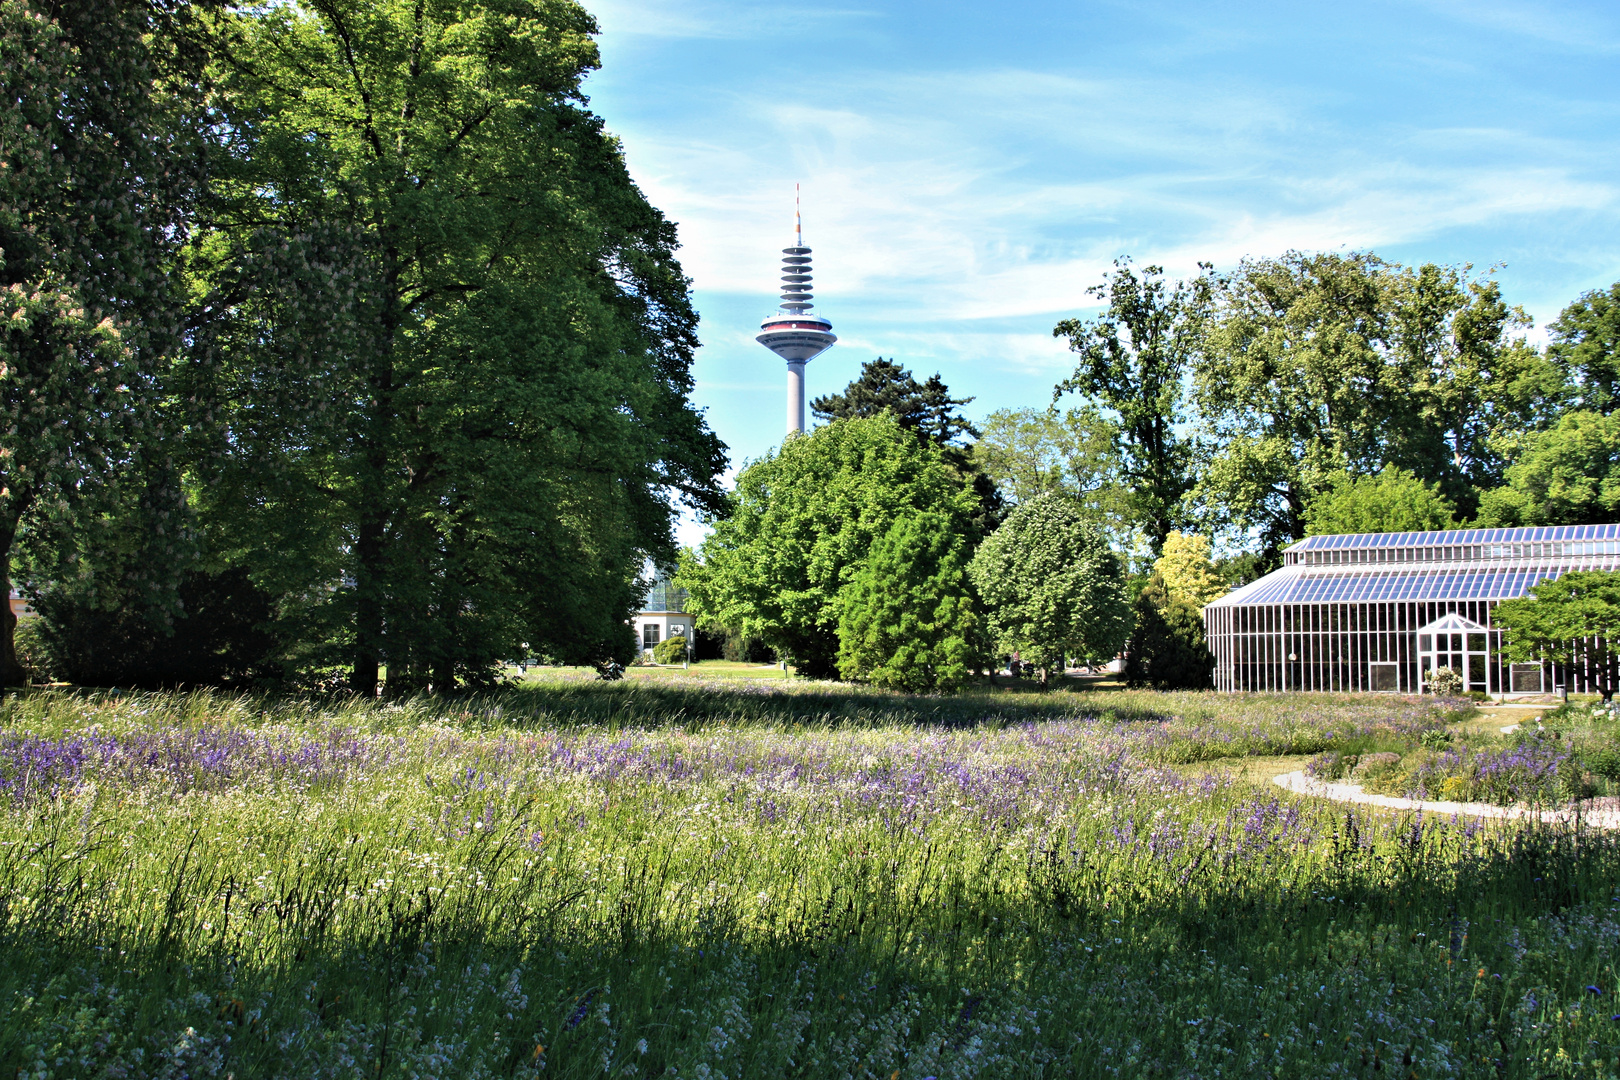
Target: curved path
{"type": "Point", "coordinates": [1605, 818]}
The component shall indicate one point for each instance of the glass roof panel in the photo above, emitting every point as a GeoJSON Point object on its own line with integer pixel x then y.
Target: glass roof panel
{"type": "Point", "coordinates": [1456, 537]}
{"type": "Point", "coordinates": [1301, 586]}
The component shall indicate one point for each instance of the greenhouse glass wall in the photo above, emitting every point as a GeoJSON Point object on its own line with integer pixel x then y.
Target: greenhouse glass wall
{"type": "Point", "coordinates": [1379, 611]}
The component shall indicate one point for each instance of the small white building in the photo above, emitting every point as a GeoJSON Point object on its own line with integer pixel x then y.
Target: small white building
{"type": "Point", "coordinates": [663, 615]}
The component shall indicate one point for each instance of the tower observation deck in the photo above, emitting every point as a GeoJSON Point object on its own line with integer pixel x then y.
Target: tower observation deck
{"type": "Point", "coordinates": [793, 333]}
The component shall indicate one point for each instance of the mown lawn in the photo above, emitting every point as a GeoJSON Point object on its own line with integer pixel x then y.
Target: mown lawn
{"type": "Point", "coordinates": [715, 878]}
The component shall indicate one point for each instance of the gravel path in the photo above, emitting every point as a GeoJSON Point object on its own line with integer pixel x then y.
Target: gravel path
{"type": "Point", "coordinates": [1603, 817]}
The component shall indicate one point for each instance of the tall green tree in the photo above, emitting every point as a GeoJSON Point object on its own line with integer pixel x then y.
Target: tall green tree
{"type": "Point", "coordinates": [1133, 361]}
{"type": "Point", "coordinates": [1568, 475]}
{"type": "Point", "coordinates": [454, 345]}
{"type": "Point", "coordinates": [1327, 364]}
{"type": "Point", "coordinates": [928, 410]}
{"type": "Point", "coordinates": [1028, 453]}
{"type": "Point", "coordinates": [801, 524]}
{"type": "Point", "coordinates": [1051, 586]}
{"type": "Point", "coordinates": [100, 164]}
{"type": "Point", "coordinates": [907, 620]}
{"type": "Point", "coordinates": [1586, 342]}
{"type": "Point", "coordinates": [1573, 620]}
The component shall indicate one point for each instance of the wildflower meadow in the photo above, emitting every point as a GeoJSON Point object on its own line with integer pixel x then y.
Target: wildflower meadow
{"type": "Point", "coordinates": [726, 880]}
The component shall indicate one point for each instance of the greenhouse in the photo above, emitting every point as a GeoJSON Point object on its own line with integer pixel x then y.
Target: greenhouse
{"type": "Point", "coordinates": [1379, 611]}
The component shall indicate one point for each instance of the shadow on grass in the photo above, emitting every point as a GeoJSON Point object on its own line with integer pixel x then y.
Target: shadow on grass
{"type": "Point", "coordinates": [379, 983]}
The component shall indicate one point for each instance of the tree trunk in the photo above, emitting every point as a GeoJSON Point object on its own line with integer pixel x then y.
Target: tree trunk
{"type": "Point", "coordinates": [368, 608]}
{"type": "Point", "coordinates": [11, 672]}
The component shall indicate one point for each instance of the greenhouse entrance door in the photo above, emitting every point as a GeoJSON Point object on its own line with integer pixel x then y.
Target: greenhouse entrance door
{"type": "Point", "coordinates": [1460, 644]}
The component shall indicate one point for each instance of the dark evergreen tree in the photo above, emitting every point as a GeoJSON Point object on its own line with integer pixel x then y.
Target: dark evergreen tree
{"type": "Point", "coordinates": [1167, 650]}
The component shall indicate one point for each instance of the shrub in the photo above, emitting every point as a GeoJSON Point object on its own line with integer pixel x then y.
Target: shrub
{"type": "Point", "coordinates": [1445, 682]}
{"type": "Point", "coordinates": [1167, 650]}
{"type": "Point", "coordinates": [219, 639]}
{"type": "Point", "coordinates": [1374, 766]}
{"type": "Point", "coordinates": [31, 652]}
{"type": "Point", "coordinates": [672, 650]}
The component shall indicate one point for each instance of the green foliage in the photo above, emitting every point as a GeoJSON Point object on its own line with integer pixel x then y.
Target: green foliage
{"type": "Point", "coordinates": [1186, 571]}
{"type": "Point", "coordinates": [1051, 586]}
{"type": "Point", "coordinates": [1028, 453]}
{"type": "Point", "coordinates": [218, 638]}
{"type": "Point", "coordinates": [906, 621]}
{"type": "Point", "coordinates": [802, 522]}
{"type": "Point", "coordinates": [99, 162]}
{"type": "Point", "coordinates": [1573, 620]}
{"type": "Point", "coordinates": [926, 409]}
{"type": "Point", "coordinates": [1167, 650]}
{"type": "Point", "coordinates": [672, 650]}
{"type": "Point", "coordinates": [1319, 365]}
{"type": "Point", "coordinates": [456, 254]}
{"type": "Point", "coordinates": [31, 653]}
{"type": "Point", "coordinates": [1133, 360]}
{"type": "Point", "coordinates": [1586, 342]}
{"type": "Point", "coordinates": [1393, 500]}
{"type": "Point", "coordinates": [1567, 475]}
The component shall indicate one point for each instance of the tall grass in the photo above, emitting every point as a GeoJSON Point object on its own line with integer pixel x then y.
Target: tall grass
{"type": "Point", "coordinates": [633, 881]}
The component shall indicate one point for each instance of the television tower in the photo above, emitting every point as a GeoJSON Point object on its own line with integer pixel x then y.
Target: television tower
{"type": "Point", "coordinates": [794, 334]}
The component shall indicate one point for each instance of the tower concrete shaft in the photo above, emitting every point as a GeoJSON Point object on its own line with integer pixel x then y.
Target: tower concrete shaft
{"type": "Point", "coordinates": [795, 396]}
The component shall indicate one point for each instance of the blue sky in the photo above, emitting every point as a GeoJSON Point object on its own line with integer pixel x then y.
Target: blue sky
{"type": "Point", "coordinates": [968, 169]}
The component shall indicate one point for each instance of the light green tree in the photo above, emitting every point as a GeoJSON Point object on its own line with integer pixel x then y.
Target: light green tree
{"type": "Point", "coordinates": [1187, 570]}
{"type": "Point", "coordinates": [1573, 620]}
{"type": "Point", "coordinates": [1051, 586]}
{"type": "Point", "coordinates": [1318, 365]}
{"type": "Point", "coordinates": [801, 525]}
{"type": "Point", "coordinates": [1392, 500]}
{"type": "Point", "coordinates": [1029, 452]}
{"type": "Point", "coordinates": [1568, 475]}
{"type": "Point", "coordinates": [1586, 342]}
{"type": "Point", "coordinates": [455, 351]}
{"type": "Point", "coordinates": [907, 619]}
{"type": "Point", "coordinates": [1133, 361]}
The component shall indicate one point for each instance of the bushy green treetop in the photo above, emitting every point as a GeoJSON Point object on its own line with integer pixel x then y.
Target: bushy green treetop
{"type": "Point", "coordinates": [1317, 365]}
{"type": "Point", "coordinates": [801, 524]}
{"type": "Point", "coordinates": [1133, 360]}
{"type": "Point", "coordinates": [1586, 341]}
{"type": "Point", "coordinates": [907, 619]}
{"type": "Point", "coordinates": [1568, 475]}
{"type": "Point", "coordinates": [1051, 586]}
{"type": "Point", "coordinates": [1393, 500]}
